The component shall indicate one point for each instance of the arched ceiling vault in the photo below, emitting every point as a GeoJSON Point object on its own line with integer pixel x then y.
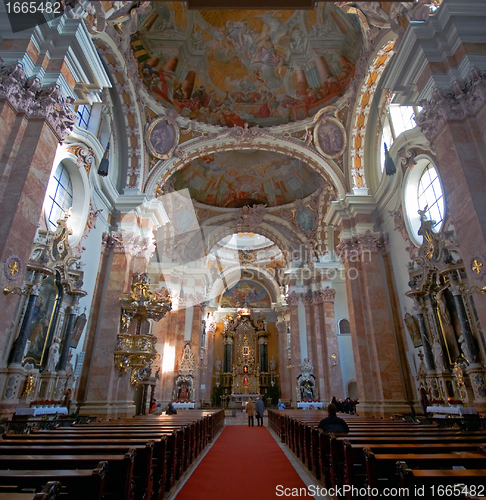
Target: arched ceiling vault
{"type": "Point", "coordinates": [258, 139]}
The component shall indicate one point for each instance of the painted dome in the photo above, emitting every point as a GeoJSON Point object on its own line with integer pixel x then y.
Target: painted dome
{"type": "Point", "coordinates": [258, 67]}
{"type": "Point", "coordinates": [234, 179]}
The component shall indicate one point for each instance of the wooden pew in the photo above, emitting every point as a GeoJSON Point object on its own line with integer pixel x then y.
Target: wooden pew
{"type": "Point", "coordinates": [381, 469]}
{"type": "Point", "coordinates": [149, 468]}
{"type": "Point", "coordinates": [434, 480]}
{"type": "Point", "coordinates": [119, 475]}
{"type": "Point", "coordinates": [80, 484]}
{"type": "Point", "coordinates": [50, 491]}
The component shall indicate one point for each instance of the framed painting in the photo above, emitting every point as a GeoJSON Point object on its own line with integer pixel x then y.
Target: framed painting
{"type": "Point", "coordinates": [78, 330]}
{"type": "Point", "coordinates": [330, 138]}
{"type": "Point", "coordinates": [43, 321]}
{"type": "Point", "coordinates": [162, 138]}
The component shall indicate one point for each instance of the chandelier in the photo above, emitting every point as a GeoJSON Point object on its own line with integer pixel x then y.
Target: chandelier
{"type": "Point", "coordinates": [135, 349]}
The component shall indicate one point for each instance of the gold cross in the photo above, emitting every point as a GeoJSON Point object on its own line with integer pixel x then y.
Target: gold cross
{"type": "Point", "coordinates": [14, 267]}
{"type": "Point", "coordinates": [477, 266]}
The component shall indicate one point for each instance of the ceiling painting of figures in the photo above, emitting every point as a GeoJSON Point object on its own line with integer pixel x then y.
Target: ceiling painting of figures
{"type": "Point", "coordinates": [235, 179]}
{"type": "Point", "coordinates": [235, 67]}
{"type": "Point", "coordinates": [246, 294]}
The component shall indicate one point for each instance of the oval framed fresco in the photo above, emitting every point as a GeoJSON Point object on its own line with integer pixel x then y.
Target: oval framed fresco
{"type": "Point", "coordinates": [162, 138]}
{"type": "Point", "coordinates": [305, 218]}
{"type": "Point", "coordinates": [330, 137]}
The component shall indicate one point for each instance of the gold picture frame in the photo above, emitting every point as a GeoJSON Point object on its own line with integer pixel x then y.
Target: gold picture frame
{"type": "Point", "coordinates": [162, 138]}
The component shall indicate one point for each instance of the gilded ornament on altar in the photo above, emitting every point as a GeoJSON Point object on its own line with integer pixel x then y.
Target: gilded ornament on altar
{"type": "Point", "coordinates": [29, 386]}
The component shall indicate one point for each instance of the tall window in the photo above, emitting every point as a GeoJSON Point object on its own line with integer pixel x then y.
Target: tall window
{"type": "Point", "coordinates": [396, 120]}
{"type": "Point", "coordinates": [84, 114]}
{"type": "Point", "coordinates": [429, 194]}
{"type": "Point", "coordinates": [59, 196]}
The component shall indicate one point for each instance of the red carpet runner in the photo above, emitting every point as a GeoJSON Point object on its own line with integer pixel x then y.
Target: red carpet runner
{"type": "Point", "coordinates": [245, 463]}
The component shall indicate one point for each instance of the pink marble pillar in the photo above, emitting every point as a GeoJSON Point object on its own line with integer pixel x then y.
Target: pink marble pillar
{"type": "Point", "coordinates": [285, 388]}
{"type": "Point", "coordinates": [28, 147]}
{"type": "Point", "coordinates": [314, 342]}
{"type": "Point", "coordinates": [378, 369]}
{"type": "Point", "coordinates": [295, 361]}
{"type": "Point", "coordinates": [455, 122]}
{"type": "Point", "coordinates": [333, 359]}
{"type": "Point", "coordinates": [104, 391]}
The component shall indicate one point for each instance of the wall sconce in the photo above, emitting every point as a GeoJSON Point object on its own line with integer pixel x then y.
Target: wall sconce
{"type": "Point", "coordinates": [18, 291]}
{"type": "Point", "coordinates": [334, 358]}
{"type": "Point", "coordinates": [469, 290]}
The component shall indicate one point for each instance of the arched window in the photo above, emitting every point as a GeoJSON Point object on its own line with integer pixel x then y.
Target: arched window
{"type": "Point", "coordinates": [59, 196]}
{"type": "Point", "coordinates": [423, 188]}
{"type": "Point", "coordinates": [429, 194]}
{"type": "Point", "coordinates": [344, 326]}
{"type": "Point", "coordinates": [395, 120]}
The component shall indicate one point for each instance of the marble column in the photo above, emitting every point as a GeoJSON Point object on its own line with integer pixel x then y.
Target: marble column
{"type": "Point", "coordinates": [108, 392]}
{"type": "Point", "coordinates": [314, 341]}
{"type": "Point", "coordinates": [294, 362]}
{"type": "Point", "coordinates": [29, 136]}
{"type": "Point", "coordinates": [68, 335]}
{"type": "Point", "coordinates": [285, 388]}
{"type": "Point", "coordinates": [375, 349]}
{"type": "Point", "coordinates": [468, 345]}
{"type": "Point", "coordinates": [420, 314]}
{"type": "Point", "coordinates": [21, 340]}
{"type": "Point", "coordinates": [332, 346]}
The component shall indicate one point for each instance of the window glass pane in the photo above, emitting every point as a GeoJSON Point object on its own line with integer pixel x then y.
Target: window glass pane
{"type": "Point", "coordinates": [402, 118]}
{"type": "Point", "coordinates": [430, 194]}
{"type": "Point", "coordinates": [84, 114]}
{"type": "Point", "coordinates": [59, 196]}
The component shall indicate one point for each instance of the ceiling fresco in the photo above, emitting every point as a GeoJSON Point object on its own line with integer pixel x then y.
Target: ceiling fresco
{"type": "Point", "coordinates": [257, 67]}
{"type": "Point", "coordinates": [235, 179]}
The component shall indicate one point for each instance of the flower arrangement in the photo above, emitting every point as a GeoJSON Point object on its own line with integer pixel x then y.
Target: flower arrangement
{"type": "Point", "coordinates": [181, 401]}
{"type": "Point", "coordinates": [454, 401]}
{"type": "Point", "coordinates": [310, 400]}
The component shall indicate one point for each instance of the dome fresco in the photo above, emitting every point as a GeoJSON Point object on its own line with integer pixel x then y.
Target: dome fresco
{"type": "Point", "coordinates": [234, 67]}
{"type": "Point", "coordinates": [234, 179]}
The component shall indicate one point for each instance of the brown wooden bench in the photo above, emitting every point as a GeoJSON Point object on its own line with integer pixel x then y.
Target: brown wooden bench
{"type": "Point", "coordinates": [432, 480]}
{"type": "Point", "coordinates": [50, 491]}
{"type": "Point", "coordinates": [381, 469]}
{"type": "Point", "coordinates": [80, 484]}
{"type": "Point", "coordinates": [119, 481]}
{"type": "Point", "coordinates": [149, 467]}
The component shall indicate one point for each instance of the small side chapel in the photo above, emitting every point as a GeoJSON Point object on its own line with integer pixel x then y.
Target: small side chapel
{"type": "Point", "coordinates": [205, 206]}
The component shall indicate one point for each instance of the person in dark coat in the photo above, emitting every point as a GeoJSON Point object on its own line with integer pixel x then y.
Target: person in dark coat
{"type": "Point", "coordinates": [333, 423]}
{"type": "Point", "coordinates": [171, 410]}
{"type": "Point", "coordinates": [259, 410]}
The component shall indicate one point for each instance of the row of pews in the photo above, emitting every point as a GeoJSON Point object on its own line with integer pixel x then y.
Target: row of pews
{"type": "Point", "coordinates": [386, 457]}
{"type": "Point", "coordinates": [138, 458]}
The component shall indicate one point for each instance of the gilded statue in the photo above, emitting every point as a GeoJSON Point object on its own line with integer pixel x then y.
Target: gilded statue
{"type": "Point", "coordinates": [29, 386]}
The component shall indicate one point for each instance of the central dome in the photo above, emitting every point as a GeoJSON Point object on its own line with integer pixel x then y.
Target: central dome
{"type": "Point", "coordinates": [234, 179]}
{"type": "Point", "coordinates": [232, 67]}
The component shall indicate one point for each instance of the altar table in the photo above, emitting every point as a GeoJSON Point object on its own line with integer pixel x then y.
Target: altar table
{"type": "Point", "coordinates": [183, 405]}
{"type": "Point", "coordinates": [307, 406]}
{"type": "Point", "coordinates": [443, 411]}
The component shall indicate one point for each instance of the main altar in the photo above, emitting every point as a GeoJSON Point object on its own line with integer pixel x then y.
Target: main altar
{"type": "Point", "coordinates": [245, 362]}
